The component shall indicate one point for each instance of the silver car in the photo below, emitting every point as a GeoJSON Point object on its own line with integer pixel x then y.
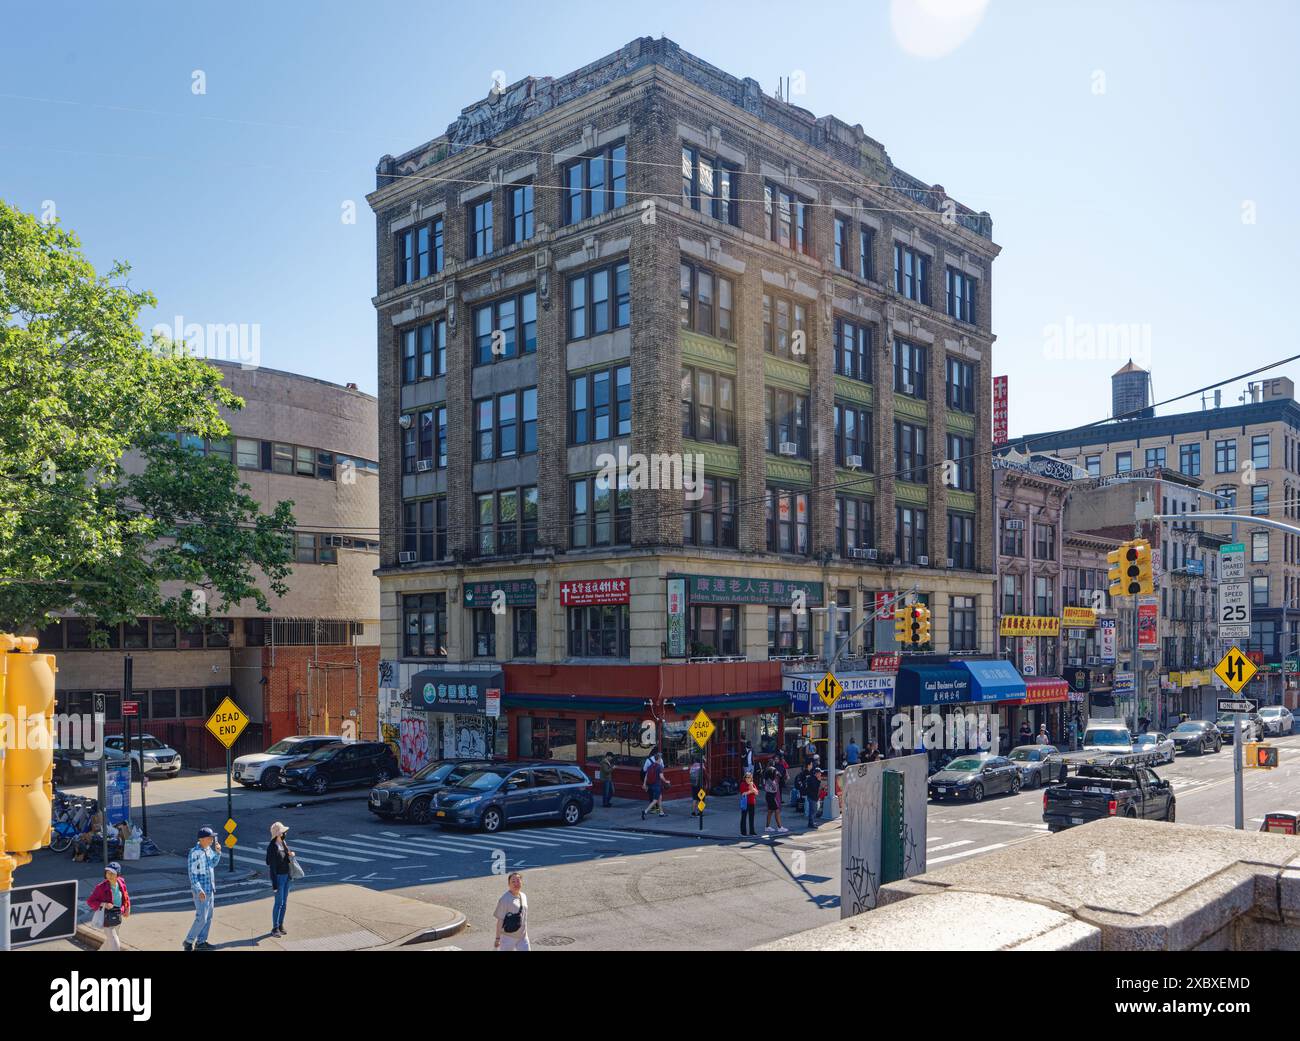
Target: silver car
{"type": "Point", "coordinates": [148, 755]}
{"type": "Point", "coordinates": [262, 769]}
{"type": "Point", "coordinates": [1277, 720]}
{"type": "Point", "coordinates": [1155, 741]}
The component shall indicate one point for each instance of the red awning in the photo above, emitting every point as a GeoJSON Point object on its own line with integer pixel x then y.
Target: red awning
{"type": "Point", "coordinates": [1041, 690]}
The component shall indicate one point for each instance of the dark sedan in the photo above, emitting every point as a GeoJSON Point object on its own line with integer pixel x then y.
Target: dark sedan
{"type": "Point", "coordinates": [341, 766]}
{"type": "Point", "coordinates": [1032, 761]}
{"type": "Point", "coordinates": [411, 798]}
{"type": "Point", "coordinates": [1252, 728]}
{"type": "Point", "coordinates": [1197, 735]}
{"type": "Point", "coordinates": [975, 776]}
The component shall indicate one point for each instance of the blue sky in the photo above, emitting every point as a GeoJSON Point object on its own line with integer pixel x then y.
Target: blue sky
{"type": "Point", "coordinates": [1117, 147]}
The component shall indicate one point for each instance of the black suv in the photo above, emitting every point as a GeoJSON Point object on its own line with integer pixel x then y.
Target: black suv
{"type": "Point", "coordinates": [343, 765]}
{"type": "Point", "coordinates": [1196, 735]}
{"type": "Point", "coordinates": [411, 798]}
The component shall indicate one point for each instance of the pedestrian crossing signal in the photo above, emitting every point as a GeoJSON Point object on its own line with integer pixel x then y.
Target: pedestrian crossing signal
{"type": "Point", "coordinates": [1266, 757]}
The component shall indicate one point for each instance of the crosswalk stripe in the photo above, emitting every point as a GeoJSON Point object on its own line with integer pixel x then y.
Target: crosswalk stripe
{"type": "Point", "coordinates": [947, 845]}
{"type": "Point", "coordinates": [929, 862]}
{"type": "Point", "coordinates": [933, 838]}
{"type": "Point", "coordinates": [624, 835]}
{"type": "Point", "coordinates": [402, 845]}
{"type": "Point", "coordinates": [442, 845]}
{"type": "Point", "coordinates": [497, 840]}
{"type": "Point", "coordinates": [185, 896]}
{"type": "Point", "coordinates": [327, 851]}
{"type": "Point", "coordinates": [313, 861]}
{"type": "Point", "coordinates": [360, 847]}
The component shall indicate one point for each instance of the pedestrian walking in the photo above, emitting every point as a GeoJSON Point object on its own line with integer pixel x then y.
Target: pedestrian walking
{"type": "Point", "coordinates": [111, 903]}
{"type": "Point", "coordinates": [280, 861]}
{"type": "Point", "coordinates": [782, 769]}
{"type": "Point", "coordinates": [1026, 735]}
{"type": "Point", "coordinates": [812, 782]}
{"type": "Point", "coordinates": [654, 784]}
{"type": "Point", "coordinates": [800, 786]}
{"type": "Point", "coordinates": [512, 916]}
{"type": "Point", "coordinates": [607, 777]}
{"type": "Point", "coordinates": [203, 861]}
{"type": "Point", "coordinates": [748, 804]}
{"type": "Point", "coordinates": [772, 794]}
{"type": "Point", "coordinates": [1042, 738]}
{"type": "Point", "coordinates": [852, 753]}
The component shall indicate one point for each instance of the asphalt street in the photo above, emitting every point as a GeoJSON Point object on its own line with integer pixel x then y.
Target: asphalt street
{"type": "Point", "coordinates": [596, 886]}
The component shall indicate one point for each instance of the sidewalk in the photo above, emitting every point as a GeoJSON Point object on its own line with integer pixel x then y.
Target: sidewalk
{"type": "Point", "coordinates": [721, 820]}
{"type": "Point", "coordinates": [320, 918]}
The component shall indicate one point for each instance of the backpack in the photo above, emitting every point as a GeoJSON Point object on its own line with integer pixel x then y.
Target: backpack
{"type": "Point", "coordinates": [652, 774]}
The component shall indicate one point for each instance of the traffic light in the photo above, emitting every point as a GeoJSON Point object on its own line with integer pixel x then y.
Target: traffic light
{"type": "Point", "coordinates": [1130, 569]}
{"type": "Point", "coordinates": [27, 707]}
{"type": "Point", "coordinates": [920, 625]}
{"type": "Point", "coordinates": [900, 624]}
{"type": "Point", "coordinates": [1265, 757]}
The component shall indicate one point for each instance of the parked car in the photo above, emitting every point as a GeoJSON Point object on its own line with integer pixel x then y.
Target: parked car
{"type": "Point", "coordinates": [1277, 720]}
{"type": "Point", "coordinates": [147, 754]}
{"type": "Point", "coordinates": [1033, 764]}
{"type": "Point", "coordinates": [1098, 791]}
{"type": "Point", "coordinates": [1252, 728]}
{"type": "Point", "coordinates": [1155, 741]}
{"type": "Point", "coordinates": [262, 769]}
{"type": "Point", "coordinates": [411, 798]}
{"type": "Point", "coordinates": [73, 765]}
{"type": "Point", "coordinates": [506, 793]}
{"type": "Point", "coordinates": [341, 766]}
{"type": "Point", "coordinates": [1197, 735]}
{"type": "Point", "coordinates": [1107, 735]}
{"type": "Point", "coordinates": [975, 776]}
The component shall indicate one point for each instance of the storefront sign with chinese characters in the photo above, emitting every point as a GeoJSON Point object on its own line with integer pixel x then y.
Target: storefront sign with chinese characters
{"type": "Point", "coordinates": [779, 592]}
{"type": "Point", "coordinates": [594, 591]}
{"type": "Point", "coordinates": [519, 592]}
{"type": "Point", "coordinates": [1078, 617]}
{"type": "Point", "coordinates": [677, 618]}
{"type": "Point", "coordinates": [1028, 625]}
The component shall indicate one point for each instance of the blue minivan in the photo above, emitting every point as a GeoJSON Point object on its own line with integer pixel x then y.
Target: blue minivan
{"type": "Point", "coordinates": [509, 793]}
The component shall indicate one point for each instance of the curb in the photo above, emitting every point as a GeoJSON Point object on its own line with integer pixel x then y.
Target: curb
{"type": "Point", "coordinates": [440, 932]}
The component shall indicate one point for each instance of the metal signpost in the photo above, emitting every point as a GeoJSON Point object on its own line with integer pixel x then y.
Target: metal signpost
{"type": "Point", "coordinates": [701, 730]}
{"type": "Point", "coordinates": [1235, 669]}
{"type": "Point", "coordinates": [226, 724]}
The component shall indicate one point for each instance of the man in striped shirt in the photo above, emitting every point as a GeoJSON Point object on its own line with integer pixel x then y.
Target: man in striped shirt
{"type": "Point", "coordinates": [203, 861]}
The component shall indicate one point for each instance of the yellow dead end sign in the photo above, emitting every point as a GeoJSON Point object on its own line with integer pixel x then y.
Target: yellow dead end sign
{"type": "Point", "coordinates": [702, 728]}
{"type": "Point", "coordinates": [1235, 669]}
{"type": "Point", "coordinates": [829, 689]}
{"type": "Point", "coordinates": [227, 722]}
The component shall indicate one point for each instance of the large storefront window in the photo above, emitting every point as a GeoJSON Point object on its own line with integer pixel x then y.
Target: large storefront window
{"type": "Point", "coordinates": [620, 737]}
{"type": "Point", "coordinates": [598, 631]}
{"type": "Point", "coordinates": [541, 737]}
{"type": "Point", "coordinates": [760, 731]}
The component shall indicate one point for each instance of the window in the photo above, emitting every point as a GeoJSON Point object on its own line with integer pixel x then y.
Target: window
{"type": "Point", "coordinates": [961, 385]}
{"type": "Point", "coordinates": [520, 197]}
{"type": "Point", "coordinates": [786, 332]}
{"type": "Point", "coordinates": [425, 440]}
{"type": "Point", "coordinates": [852, 349]}
{"type": "Point", "coordinates": [1044, 596]}
{"type": "Point", "coordinates": [505, 328]}
{"type": "Point", "coordinates": [710, 520]}
{"type": "Point", "coordinates": [961, 624]}
{"type": "Point", "coordinates": [855, 526]}
{"type": "Point", "coordinates": [909, 451]}
{"type": "Point", "coordinates": [480, 229]}
{"type": "Point", "coordinates": [1259, 547]}
{"type": "Point", "coordinates": [1225, 456]}
{"type": "Point", "coordinates": [912, 529]}
{"type": "Point", "coordinates": [961, 450]}
{"type": "Point", "coordinates": [1227, 498]}
{"type": "Point", "coordinates": [485, 633]}
{"type": "Point", "coordinates": [786, 219]}
{"type": "Point", "coordinates": [1259, 500]}
{"type": "Point", "coordinates": [960, 297]}
{"type": "Point", "coordinates": [911, 273]}
{"type": "Point", "coordinates": [1012, 595]}
{"type": "Point", "coordinates": [708, 406]}
{"type": "Point", "coordinates": [599, 515]}
{"type": "Point", "coordinates": [596, 183]}
{"type": "Point", "coordinates": [310, 548]}
{"type": "Point", "coordinates": [785, 416]}
{"type": "Point", "coordinates": [707, 302]}
{"type": "Point", "coordinates": [1123, 462]}
{"type": "Point", "coordinates": [788, 634]}
{"type": "Point", "coordinates": [715, 631]}
{"type": "Point", "coordinates": [788, 521]}
{"type": "Point", "coordinates": [248, 454]}
{"type": "Point", "coordinates": [866, 253]}
{"type": "Point", "coordinates": [841, 242]}
{"type": "Point", "coordinates": [599, 301]}
{"type": "Point", "coordinates": [1259, 591]}
{"type": "Point", "coordinates": [1013, 537]}
{"type": "Point", "coordinates": [418, 252]}
{"type": "Point", "coordinates": [507, 521]}
{"type": "Point", "coordinates": [424, 351]}
{"type": "Point", "coordinates": [961, 541]}
{"type": "Point", "coordinates": [524, 629]}
{"type": "Point", "coordinates": [909, 368]}
{"type": "Point", "coordinates": [600, 405]}
{"type": "Point", "coordinates": [853, 436]}
{"type": "Point", "coordinates": [1155, 458]}
{"type": "Point", "coordinates": [709, 186]}
{"type": "Point", "coordinates": [1044, 541]}
{"type": "Point", "coordinates": [1093, 465]}
{"type": "Point", "coordinates": [424, 529]}
{"type": "Point", "coordinates": [425, 625]}
{"type": "Point", "coordinates": [500, 434]}
{"type": "Point", "coordinates": [1259, 451]}
{"type": "Point", "coordinates": [599, 631]}
{"type": "Point", "coordinates": [1189, 460]}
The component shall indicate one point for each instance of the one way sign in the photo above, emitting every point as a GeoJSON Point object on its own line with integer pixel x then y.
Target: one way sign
{"type": "Point", "coordinates": [40, 913]}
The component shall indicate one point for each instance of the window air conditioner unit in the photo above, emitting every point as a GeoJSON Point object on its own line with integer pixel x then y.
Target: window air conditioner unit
{"type": "Point", "coordinates": [854, 462]}
{"type": "Point", "coordinates": [407, 556]}
{"type": "Point", "coordinates": [909, 388]}
{"type": "Point", "coordinates": [949, 564]}
{"type": "Point", "coordinates": [789, 448]}
{"type": "Point", "coordinates": [1094, 659]}
{"type": "Point", "coordinates": [424, 464]}
{"type": "Point", "coordinates": [923, 561]}
{"type": "Point", "coordinates": [870, 554]}
{"type": "Point", "coordinates": [860, 552]}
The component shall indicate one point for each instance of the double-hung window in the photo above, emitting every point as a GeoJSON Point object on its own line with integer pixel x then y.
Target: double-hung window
{"type": "Point", "coordinates": [596, 183]}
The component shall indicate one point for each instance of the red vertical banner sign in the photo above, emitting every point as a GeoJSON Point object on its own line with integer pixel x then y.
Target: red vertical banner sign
{"type": "Point", "coordinates": [1148, 634]}
{"type": "Point", "coordinates": [999, 410]}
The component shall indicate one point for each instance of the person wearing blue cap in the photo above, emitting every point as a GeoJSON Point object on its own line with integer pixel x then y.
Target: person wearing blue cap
{"type": "Point", "coordinates": [111, 903]}
{"type": "Point", "coordinates": [204, 858]}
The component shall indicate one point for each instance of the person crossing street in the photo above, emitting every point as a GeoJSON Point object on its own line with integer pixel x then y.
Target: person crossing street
{"type": "Point", "coordinates": [203, 861]}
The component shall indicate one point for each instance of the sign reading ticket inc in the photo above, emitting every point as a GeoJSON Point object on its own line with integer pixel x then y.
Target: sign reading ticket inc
{"type": "Point", "coordinates": [861, 691]}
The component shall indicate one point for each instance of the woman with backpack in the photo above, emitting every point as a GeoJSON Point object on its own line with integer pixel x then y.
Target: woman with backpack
{"type": "Point", "coordinates": [654, 784]}
{"type": "Point", "coordinates": [512, 916]}
{"type": "Point", "coordinates": [748, 804]}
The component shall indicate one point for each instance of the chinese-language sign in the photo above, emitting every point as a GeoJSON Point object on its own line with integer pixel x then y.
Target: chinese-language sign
{"type": "Point", "coordinates": [999, 410]}
{"type": "Point", "coordinates": [715, 589]}
{"type": "Point", "coordinates": [1028, 625]}
{"type": "Point", "coordinates": [594, 591]}
{"type": "Point", "coordinates": [677, 618]}
{"type": "Point", "coordinates": [519, 592]}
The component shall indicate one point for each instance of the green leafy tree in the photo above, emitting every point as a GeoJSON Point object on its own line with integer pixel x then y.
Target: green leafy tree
{"type": "Point", "coordinates": [103, 510]}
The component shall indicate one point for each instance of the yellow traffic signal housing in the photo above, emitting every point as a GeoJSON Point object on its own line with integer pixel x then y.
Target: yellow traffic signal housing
{"type": "Point", "coordinates": [27, 704]}
{"type": "Point", "coordinates": [1115, 558]}
{"type": "Point", "coordinates": [1266, 757]}
{"type": "Point", "coordinates": [923, 636]}
{"type": "Point", "coordinates": [1140, 550]}
{"type": "Point", "coordinates": [901, 616]}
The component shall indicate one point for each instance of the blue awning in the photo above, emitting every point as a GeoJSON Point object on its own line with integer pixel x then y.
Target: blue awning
{"type": "Point", "coordinates": [994, 681]}
{"type": "Point", "coordinates": [932, 685]}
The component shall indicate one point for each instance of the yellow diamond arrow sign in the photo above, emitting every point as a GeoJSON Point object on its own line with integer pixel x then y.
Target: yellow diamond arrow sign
{"type": "Point", "coordinates": [829, 689]}
{"type": "Point", "coordinates": [702, 728]}
{"type": "Point", "coordinates": [1235, 669]}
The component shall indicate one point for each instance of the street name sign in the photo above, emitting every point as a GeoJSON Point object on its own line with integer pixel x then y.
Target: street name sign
{"type": "Point", "coordinates": [1237, 705]}
{"type": "Point", "coordinates": [40, 913]}
{"type": "Point", "coordinates": [1235, 669]}
{"type": "Point", "coordinates": [829, 689]}
{"type": "Point", "coordinates": [227, 722]}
